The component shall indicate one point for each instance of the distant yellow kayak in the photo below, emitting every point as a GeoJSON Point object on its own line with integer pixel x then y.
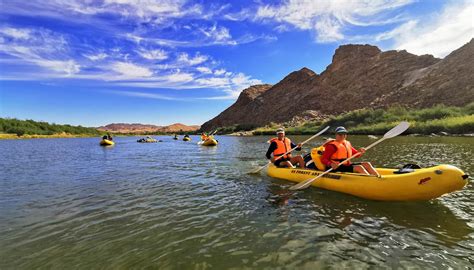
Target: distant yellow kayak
{"type": "Point", "coordinates": [421, 184]}
{"type": "Point", "coordinates": [186, 139]}
{"type": "Point", "coordinates": [105, 142]}
{"type": "Point", "coordinates": [209, 142]}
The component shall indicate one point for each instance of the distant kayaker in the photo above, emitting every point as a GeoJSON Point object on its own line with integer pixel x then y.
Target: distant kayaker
{"type": "Point", "coordinates": [204, 136]}
{"type": "Point", "coordinates": [281, 145]}
{"type": "Point", "coordinates": [339, 149]}
{"type": "Point", "coordinates": [109, 137]}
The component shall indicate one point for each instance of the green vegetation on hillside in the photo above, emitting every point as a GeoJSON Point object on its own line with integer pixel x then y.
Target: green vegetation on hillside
{"type": "Point", "coordinates": [440, 118]}
{"type": "Point", "coordinates": [30, 127]}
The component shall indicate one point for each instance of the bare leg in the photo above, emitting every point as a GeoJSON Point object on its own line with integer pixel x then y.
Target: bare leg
{"type": "Point", "coordinates": [298, 160]}
{"type": "Point", "coordinates": [370, 169]}
{"type": "Point", "coordinates": [287, 164]}
{"type": "Point", "coordinates": [360, 169]}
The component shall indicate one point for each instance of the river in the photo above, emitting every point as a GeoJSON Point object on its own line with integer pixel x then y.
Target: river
{"type": "Point", "coordinates": [71, 204]}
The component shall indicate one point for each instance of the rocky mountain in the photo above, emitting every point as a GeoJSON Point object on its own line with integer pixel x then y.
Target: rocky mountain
{"type": "Point", "coordinates": [141, 128]}
{"type": "Point", "coordinates": [359, 76]}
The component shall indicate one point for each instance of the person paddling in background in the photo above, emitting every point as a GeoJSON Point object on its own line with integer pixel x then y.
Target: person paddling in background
{"type": "Point", "coordinates": [109, 137]}
{"type": "Point", "coordinates": [340, 149]}
{"type": "Point", "coordinates": [281, 145]}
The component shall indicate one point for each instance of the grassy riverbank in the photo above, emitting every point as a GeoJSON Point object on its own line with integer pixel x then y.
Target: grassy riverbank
{"type": "Point", "coordinates": [452, 120]}
{"type": "Point", "coordinates": [4, 136]}
{"type": "Point", "coordinates": [11, 128]}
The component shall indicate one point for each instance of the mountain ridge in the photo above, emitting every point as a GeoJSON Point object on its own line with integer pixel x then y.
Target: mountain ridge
{"type": "Point", "coordinates": [359, 76]}
{"type": "Point", "coordinates": [141, 128]}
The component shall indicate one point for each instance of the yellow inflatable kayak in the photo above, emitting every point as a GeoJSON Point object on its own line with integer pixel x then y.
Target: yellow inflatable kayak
{"type": "Point", "coordinates": [105, 142]}
{"type": "Point", "coordinates": [209, 142]}
{"type": "Point", "coordinates": [186, 139]}
{"type": "Point", "coordinates": [420, 184]}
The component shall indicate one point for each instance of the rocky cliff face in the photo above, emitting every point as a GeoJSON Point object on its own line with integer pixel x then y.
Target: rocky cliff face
{"type": "Point", "coordinates": [244, 109]}
{"type": "Point", "coordinates": [360, 76]}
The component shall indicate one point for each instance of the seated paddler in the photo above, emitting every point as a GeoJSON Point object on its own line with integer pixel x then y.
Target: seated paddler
{"type": "Point", "coordinates": [339, 149]}
{"type": "Point", "coordinates": [281, 145]}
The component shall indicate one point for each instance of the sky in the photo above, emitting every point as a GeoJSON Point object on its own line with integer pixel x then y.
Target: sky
{"type": "Point", "coordinates": [95, 62]}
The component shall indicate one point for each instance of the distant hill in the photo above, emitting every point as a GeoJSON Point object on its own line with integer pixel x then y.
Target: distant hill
{"type": "Point", "coordinates": [142, 128]}
{"type": "Point", "coordinates": [359, 77]}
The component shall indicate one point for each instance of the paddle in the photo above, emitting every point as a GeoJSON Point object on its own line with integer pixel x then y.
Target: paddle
{"type": "Point", "coordinates": [291, 150]}
{"type": "Point", "coordinates": [212, 133]}
{"type": "Point", "coordinates": [399, 129]}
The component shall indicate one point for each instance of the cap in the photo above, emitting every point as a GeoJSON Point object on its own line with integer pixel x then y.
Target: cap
{"type": "Point", "coordinates": [280, 130]}
{"type": "Point", "coordinates": [341, 130]}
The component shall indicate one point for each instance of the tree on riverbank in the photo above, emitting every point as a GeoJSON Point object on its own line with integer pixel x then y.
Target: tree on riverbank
{"type": "Point", "coordinates": [30, 127]}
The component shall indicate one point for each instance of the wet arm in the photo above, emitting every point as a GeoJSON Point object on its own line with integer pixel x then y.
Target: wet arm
{"type": "Point", "coordinates": [294, 145]}
{"type": "Point", "coordinates": [270, 150]}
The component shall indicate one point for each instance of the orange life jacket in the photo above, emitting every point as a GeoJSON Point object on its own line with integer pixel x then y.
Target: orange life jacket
{"type": "Point", "coordinates": [344, 150]}
{"type": "Point", "coordinates": [282, 147]}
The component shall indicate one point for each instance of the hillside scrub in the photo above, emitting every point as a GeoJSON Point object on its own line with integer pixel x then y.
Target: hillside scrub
{"type": "Point", "coordinates": [440, 118]}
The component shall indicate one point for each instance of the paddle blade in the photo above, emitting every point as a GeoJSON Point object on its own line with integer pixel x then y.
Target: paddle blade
{"type": "Point", "coordinates": [255, 171]}
{"type": "Point", "coordinates": [259, 169]}
{"type": "Point", "coordinates": [322, 131]}
{"type": "Point", "coordinates": [304, 184]}
{"type": "Point", "coordinates": [399, 129]}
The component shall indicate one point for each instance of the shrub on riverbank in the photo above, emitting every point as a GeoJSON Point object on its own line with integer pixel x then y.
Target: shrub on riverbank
{"type": "Point", "coordinates": [440, 118]}
{"type": "Point", "coordinates": [30, 127]}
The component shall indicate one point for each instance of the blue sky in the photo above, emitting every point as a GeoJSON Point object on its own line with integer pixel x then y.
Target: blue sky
{"type": "Point", "coordinates": [160, 62]}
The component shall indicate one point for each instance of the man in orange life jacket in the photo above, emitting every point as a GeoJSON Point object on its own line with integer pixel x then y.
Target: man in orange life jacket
{"type": "Point", "coordinates": [280, 146]}
{"type": "Point", "coordinates": [340, 149]}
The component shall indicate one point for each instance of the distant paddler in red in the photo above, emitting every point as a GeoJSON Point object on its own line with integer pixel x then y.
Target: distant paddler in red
{"type": "Point", "coordinates": [279, 146]}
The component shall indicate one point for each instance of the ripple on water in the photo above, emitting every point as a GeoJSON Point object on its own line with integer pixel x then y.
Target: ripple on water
{"type": "Point", "coordinates": [177, 205]}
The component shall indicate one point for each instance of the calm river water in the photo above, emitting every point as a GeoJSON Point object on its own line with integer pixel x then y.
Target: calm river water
{"type": "Point", "coordinates": [71, 204]}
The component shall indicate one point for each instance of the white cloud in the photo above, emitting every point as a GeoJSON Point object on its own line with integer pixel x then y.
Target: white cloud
{"type": "Point", "coordinates": [129, 70]}
{"type": "Point", "coordinates": [151, 11]}
{"type": "Point", "coordinates": [68, 67]}
{"type": "Point", "coordinates": [403, 28]}
{"type": "Point", "coordinates": [116, 55]}
{"type": "Point", "coordinates": [191, 61]}
{"type": "Point", "coordinates": [219, 72]}
{"type": "Point", "coordinates": [96, 57]}
{"type": "Point", "coordinates": [39, 47]}
{"type": "Point", "coordinates": [204, 70]}
{"type": "Point", "coordinates": [218, 34]}
{"type": "Point", "coordinates": [329, 19]}
{"type": "Point", "coordinates": [141, 95]}
{"type": "Point", "coordinates": [439, 35]}
{"type": "Point", "coordinates": [153, 54]}
{"type": "Point", "coordinates": [179, 77]}
{"type": "Point", "coordinates": [231, 86]}
{"type": "Point", "coordinates": [214, 82]}
{"type": "Point", "coordinates": [16, 33]}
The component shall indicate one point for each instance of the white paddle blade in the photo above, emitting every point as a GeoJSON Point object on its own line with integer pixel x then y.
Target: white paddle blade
{"type": "Point", "coordinates": [306, 183]}
{"type": "Point", "coordinates": [399, 129]}
{"type": "Point", "coordinates": [259, 169]}
{"type": "Point", "coordinates": [322, 131]}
